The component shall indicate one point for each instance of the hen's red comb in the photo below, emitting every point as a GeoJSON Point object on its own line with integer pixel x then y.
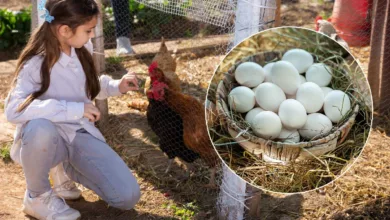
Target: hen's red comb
{"type": "Point", "coordinates": [152, 67]}
{"type": "Point", "coordinates": [317, 26]}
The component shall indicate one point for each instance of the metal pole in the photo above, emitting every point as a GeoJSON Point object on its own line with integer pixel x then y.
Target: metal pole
{"type": "Point", "coordinates": [233, 190]}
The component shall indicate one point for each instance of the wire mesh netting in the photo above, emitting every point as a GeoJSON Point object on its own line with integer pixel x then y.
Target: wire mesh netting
{"type": "Point", "coordinates": [179, 22]}
{"type": "Point", "coordinates": [198, 34]}
{"type": "Point", "coordinates": [213, 12]}
{"type": "Point", "coordinates": [202, 28]}
{"type": "Point", "coordinates": [150, 20]}
{"type": "Point", "coordinates": [176, 118]}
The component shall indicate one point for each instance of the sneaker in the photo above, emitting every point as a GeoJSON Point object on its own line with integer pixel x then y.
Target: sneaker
{"type": "Point", "coordinates": [123, 46]}
{"type": "Point", "coordinates": [63, 186]}
{"type": "Point", "coordinates": [48, 206]}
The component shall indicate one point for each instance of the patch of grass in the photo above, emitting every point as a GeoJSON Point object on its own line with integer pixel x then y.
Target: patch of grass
{"type": "Point", "coordinates": [114, 60]}
{"type": "Point", "coordinates": [185, 212]}
{"type": "Point", "coordinates": [325, 14]}
{"type": "Point", "coordinates": [2, 105]}
{"type": "Point", "coordinates": [188, 33]}
{"type": "Point", "coordinates": [5, 152]}
{"type": "Point", "coordinates": [114, 64]}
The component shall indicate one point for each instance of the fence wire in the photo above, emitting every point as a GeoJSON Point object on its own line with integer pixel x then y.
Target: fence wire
{"type": "Point", "coordinates": [146, 21]}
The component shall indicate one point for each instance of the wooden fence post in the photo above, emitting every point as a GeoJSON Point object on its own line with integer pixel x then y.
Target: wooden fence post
{"type": "Point", "coordinates": [34, 14]}
{"type": "Point", "coordinates": [99, 60]}
{"type": "Point", "coordinates": [378, 68]}
{"type": "Point", "coordinates": [278, 20]}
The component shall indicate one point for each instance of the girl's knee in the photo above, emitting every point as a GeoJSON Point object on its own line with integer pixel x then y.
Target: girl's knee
{"type": "Point", "coordinates": [40, 132]}
{"type": "Point", "coordinates": [129, 199]}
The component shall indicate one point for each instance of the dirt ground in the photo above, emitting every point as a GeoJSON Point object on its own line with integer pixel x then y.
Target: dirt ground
{"type": "Point", "coordinates": [15, 4]}
{"type": "Point", "coordinates": [362, 193]}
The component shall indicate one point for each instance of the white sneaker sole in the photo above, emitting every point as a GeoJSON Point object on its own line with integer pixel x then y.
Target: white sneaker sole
{"type": "Point", "coordinates": [30, 212]}
{"type": "Point", "coordinates": [73, 196]}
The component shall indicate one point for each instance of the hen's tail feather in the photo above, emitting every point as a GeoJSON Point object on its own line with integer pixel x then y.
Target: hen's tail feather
{"type": "Point", "coordinates": [163, 47]}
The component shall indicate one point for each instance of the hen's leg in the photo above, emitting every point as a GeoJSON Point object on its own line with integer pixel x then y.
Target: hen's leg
{"type": "Point", "coordinates": [212, 184]}
{"type": "Point", "coordinates": [169, 165]}
{"type": "Point", "coordinates": [189, 169]}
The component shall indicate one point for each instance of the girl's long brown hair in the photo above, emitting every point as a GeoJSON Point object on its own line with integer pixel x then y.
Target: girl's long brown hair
{"type": "Point", "coordinates": [43, 42]}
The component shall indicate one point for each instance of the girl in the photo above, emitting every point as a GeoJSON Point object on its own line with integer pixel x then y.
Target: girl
{"type": "Point", "coordinates": [55, 81]}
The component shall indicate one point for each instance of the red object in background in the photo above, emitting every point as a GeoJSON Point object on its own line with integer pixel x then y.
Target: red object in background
{"type": "Point", "coordinates": [352, 20]}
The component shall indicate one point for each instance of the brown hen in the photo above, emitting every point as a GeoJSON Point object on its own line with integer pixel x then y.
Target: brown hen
{"type": "Point", "coordinates": [192, 113]}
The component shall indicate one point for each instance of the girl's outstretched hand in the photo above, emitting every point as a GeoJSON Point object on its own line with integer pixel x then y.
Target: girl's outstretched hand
{"type": "Point", "coordinates": [128, 82]}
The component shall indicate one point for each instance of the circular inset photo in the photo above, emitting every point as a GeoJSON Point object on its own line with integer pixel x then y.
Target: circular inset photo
{"type": "Point", "coordinates": [293, 110]}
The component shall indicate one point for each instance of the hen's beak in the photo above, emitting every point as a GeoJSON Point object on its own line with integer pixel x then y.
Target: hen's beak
{"type": "Point", "coordinates": [149, 94]}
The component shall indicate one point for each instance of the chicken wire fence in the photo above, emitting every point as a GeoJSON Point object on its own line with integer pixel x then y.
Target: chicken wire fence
{"type": "Point", "coordinates": [147, 21]}
{"type": "Point", "coordinates": [181, 131]}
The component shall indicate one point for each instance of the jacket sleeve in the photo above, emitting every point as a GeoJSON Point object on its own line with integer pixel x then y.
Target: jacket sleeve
{"type": "Point", "coordinates": [28, 81]}
{"type": "Point", "coordinates": [108, 86]}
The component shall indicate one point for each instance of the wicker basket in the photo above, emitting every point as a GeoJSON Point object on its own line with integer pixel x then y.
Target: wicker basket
{"type": "Point", "coordinates": [268, 150]}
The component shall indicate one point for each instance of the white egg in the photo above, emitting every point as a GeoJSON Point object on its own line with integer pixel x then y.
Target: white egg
{"type": "Point", "coordinates": [289, 136]}
{"type": "Point", "coordinates": [267, 69]}
{"type": "Point", "coordinates": [336, 105]}
{"type": "Point", "coordinates": [267, 125]}
{"type": "Point", "coordinates": [319, 74]}
{"type": "Point", "coordinates": [241, 99]}
{"type": "Point", "coordinates": [249, 74]}
{"type": "Point", "coordinates": [316, 125]}
{"type": "Point", "coordinates": [303, 79]}
{"type": "Point", "coordinates": [269, 96]}
{"type": "Point", "coordinates": [252, 113]}
{"type": "Point", "coordinates": [284, 75]}
{"type": "Point", "coordinates": [292, 114]}
{"type": "Point", "coordinates": [310, 95]}
{"type": "Point", "coordinates": [301, 59]}
{"type": "Point", "coordinates": [326, 90]}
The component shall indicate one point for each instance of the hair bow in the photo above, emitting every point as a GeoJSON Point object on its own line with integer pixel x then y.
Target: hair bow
{"type": "Point", "coordinates": [46, 16]}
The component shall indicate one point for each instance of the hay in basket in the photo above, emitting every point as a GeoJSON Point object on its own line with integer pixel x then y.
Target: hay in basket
{"type": "Point", "coordinates": [291, 167]}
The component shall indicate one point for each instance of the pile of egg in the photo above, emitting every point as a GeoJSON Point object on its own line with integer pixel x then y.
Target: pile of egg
{"type": "Point", "coordinates": [288, 99]}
